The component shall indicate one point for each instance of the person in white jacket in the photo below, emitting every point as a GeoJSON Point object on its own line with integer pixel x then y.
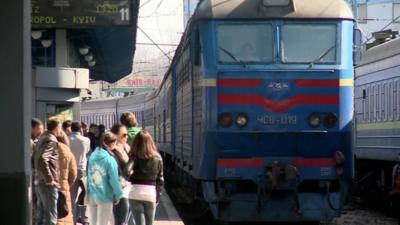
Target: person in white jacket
{"type": "Point", "coordinates": [80, 147]}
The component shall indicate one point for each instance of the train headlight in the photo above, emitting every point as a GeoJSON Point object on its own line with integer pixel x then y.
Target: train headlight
{"type": "Point", "coordinates": [330, 120]}
{"type": "Point", "coordinates": [225, 119]}
{"type": "Point", "coordinates": [314, 120]}
{"type": "Point", "coordinates": [241, 120]}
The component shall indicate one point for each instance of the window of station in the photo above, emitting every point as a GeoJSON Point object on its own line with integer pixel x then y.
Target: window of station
{"type": "Point", "coordinates": [309, 43]}
{"type": "Point", "coordinates": [253, 44]}
{"type": "Point", "coordinates": [396, 12]}
{"type": "Point", "coordinates": [44, 55]}
{"type": "Point", "coordinates": [362, 14]}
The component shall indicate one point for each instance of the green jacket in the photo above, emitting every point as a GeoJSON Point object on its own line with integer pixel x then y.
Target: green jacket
{"type": "Point", "coordinates": [132, 132]}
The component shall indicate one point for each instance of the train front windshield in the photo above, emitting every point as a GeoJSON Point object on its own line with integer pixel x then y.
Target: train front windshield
{"type": "Point", "coordinates": [302, 43]}
{"type": "Point", "coordinates": [253, 44]}
{"type": "Point", "coordinates": [257, 43]}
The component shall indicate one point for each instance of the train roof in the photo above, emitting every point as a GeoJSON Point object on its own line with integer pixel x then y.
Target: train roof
{"type": "Point", "coordinates": [382, 51]}
{"type": "Point", "coordinates": [257, 9]}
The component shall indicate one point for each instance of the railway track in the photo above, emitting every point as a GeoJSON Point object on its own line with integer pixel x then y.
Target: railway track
{"type": "Point", "coordinates": [195, 213]}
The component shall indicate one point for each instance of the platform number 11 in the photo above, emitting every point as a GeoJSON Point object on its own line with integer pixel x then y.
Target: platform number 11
{"type": "Point", "coordinates": [124, 14]}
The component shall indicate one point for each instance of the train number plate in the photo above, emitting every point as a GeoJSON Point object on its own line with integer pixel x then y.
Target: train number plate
{"type": "Point", "coordinates": [277, 120]}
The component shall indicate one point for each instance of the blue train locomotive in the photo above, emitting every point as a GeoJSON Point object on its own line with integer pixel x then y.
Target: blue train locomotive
{"type": "Point", "coordinates": [256, 109]}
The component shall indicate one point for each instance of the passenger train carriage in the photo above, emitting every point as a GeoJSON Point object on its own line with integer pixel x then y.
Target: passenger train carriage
{"type": "Point", "coordinates": [377, 112]}
{"type": "Point", "coordinates": [257, 108]}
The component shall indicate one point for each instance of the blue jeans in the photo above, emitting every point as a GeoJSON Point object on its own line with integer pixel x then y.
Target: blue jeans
{"type": "Point", "coordinates": [121, 212]}
{"type": "Point", "coordinates": [47, 204]}
{"type": "Point", "coordinates": [79, 210]}
{"type": "Point", "coordinates": [142, 210]}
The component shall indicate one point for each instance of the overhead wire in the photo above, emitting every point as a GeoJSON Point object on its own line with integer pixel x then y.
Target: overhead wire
{"type": "Point", "coordinates": [159, 48]}
{"type": "Point", "coordinates": [145, 3]}
{"type": "Point", "coordinates": [387, 25]}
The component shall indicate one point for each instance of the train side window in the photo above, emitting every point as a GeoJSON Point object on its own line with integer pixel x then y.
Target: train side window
{"type": "Point", "coordinates": [164, 128]}
{"type": "Point", "coordinates": [372, 104]}
{"type": "Point", "coordinates": [155, 128]}
{"type": "Point", "coordinates": [364, 105]}
{"type": "Point", "coordinates": [195, 47]}
{"type": "Point", "coordinates": [389, 107]}
{"type": "Point", "coordinates": [383, 102]}
{"type": "Point", "coordinates": [397, 100]}
{"type": "Point", "coordinates": [159, 128]}
{"type": "Point", "coordinates": [377, 102]}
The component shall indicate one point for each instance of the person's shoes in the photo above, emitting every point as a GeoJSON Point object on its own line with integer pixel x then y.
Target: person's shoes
{"type": "Point", "coordinates": [82, 221]}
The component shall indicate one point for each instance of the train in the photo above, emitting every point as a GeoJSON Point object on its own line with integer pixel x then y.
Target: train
{"type": "Point", "coordinates": [256, 108]}
{"type": "Point", "coordinates": [377, 114]}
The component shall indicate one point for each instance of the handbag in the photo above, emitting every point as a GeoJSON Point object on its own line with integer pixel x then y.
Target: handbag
{"type": "Point", "coordinates": [62, 208]}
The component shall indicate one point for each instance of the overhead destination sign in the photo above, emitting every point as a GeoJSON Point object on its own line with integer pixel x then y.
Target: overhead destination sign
{"type": "Point", "coordinates": [80, 13]}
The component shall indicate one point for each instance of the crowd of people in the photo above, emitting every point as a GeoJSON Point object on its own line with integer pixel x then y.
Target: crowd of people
{"type": "Point", "coordinates": [93, 176]}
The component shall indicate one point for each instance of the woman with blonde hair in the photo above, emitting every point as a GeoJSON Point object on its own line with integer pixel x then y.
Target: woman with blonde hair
{"type": "Point", "coordinates": [147, 178]}
{"type": "Point", "coordinates": [68, 172]}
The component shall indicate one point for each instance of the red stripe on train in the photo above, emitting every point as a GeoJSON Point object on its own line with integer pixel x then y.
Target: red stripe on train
{"type": "Point", "coordinates": [320, 162]}
{"type": "Point", "coordinates": [240, 162]}
{"type": "Point", "coordinates": [282, 106]}
{"type": "Point", "coordinates": [317, 83]}
{"type": "Point", "coordinates": [239, 82]}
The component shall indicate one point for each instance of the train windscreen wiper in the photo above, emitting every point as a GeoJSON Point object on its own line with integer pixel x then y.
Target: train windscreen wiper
{"type": "Point", "coordinates": [320, 57]}
{"type": "Point", "coordinates": [233, 56]}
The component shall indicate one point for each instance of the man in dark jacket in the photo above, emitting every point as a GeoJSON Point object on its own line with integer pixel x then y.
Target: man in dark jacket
{"type": "Point", "coordinates": [92, 135]}
{"type": "Point", "coordinates": [47, 175]}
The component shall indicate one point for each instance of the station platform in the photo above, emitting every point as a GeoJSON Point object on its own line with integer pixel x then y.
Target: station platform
{"type": "Point", "coordinates": [166, 213]}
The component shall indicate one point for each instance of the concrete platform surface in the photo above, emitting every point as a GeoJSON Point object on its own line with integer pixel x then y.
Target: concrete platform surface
{"type": "Point", "coordinates": [166, 213]}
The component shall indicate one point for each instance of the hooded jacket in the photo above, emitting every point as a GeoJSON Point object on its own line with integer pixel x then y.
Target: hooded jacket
{"type": "Point", "coordinates": [103, 181]}
{"type": "Point", "coordinates": [132, 132]}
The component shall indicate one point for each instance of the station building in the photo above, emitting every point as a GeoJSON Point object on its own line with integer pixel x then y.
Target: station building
{"type": "Point", "coordinates": [73, 43]}
{"type": "Point", "coordinates": [377, 15]}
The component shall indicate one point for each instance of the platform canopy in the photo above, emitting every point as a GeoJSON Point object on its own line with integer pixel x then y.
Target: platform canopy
{"type": "Point", "coordinates": [113, 49]}
{"type": "Point", "coordinates": [107, 27]}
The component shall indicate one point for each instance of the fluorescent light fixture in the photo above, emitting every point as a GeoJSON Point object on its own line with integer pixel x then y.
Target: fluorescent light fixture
{"type": "Point", "coordinates": [46, 43]}
{"type": "Point", "coordinates": [92, 63]}
{"type": "Point", "coordinates": [84, 50]}
{"type": "Point", "coordinates": [88, 57]}
{"type": "Point", "coordinates": [36, 34]}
